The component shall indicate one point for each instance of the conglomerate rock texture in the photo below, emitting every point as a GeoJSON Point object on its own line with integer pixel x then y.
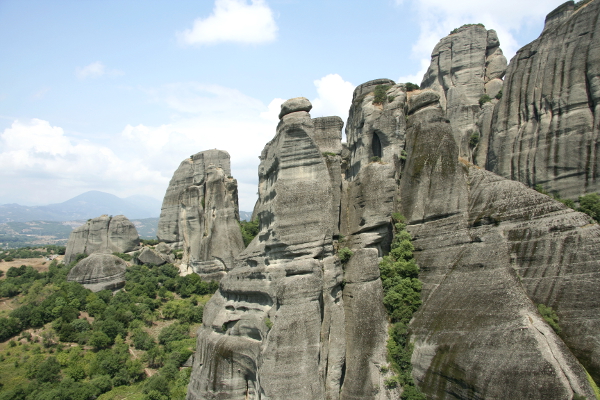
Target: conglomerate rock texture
{"type": "Point", "coordinates": [545, 128]}
{"type": "Point", "coordinates": [200, 215]}
{"type": "Point", "coordinates": [104, 233]}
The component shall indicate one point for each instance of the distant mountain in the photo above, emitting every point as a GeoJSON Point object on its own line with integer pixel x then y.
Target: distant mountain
{"type": "Point", "coordinates": [87, 205]}
{"type": "Point", "coordinates": [245, 215]}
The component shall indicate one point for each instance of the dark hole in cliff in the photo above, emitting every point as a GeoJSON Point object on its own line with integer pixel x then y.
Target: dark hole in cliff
{"type": "Point", "coordinates": [376, 146]}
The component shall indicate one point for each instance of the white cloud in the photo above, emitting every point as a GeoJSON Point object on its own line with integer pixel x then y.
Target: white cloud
{"type": "Point", "coordinates": [95, 70]}
{"type": "Point", "coordinates": [233, 21]}
{"type": "Point", "coordinates": [438, 17]}
{"type": "Point", "coordinates": [272, 114]}
{"type": "Point", "coordinates": [335, 97]}
{"type": "Point", "coordinates": [53, 166]}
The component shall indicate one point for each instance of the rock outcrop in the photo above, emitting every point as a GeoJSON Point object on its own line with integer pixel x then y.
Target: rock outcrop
{"type": "Point", "coordinates": [466, 65]}
{"type": "Point", "coordinates": [545, 129]}
{"type": "Point", "coordinates": [490, 250]}
{"type": "Point", "coordinates": [276, 327]}
{"type": "Point", "coordinates": [200, 215]}
{"type": "Point", "coordinates": [290, 321]}
{"type": "Point", "coordinates": [99, 271]}
{"type": "Point", "coordinates": [104, 233]}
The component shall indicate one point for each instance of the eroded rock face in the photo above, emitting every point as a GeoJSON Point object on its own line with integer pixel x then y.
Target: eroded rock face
{"type": "Point", "coordinates": [99, 271]}
{"type": "Point", "coordinates": [466, 65]}
{"type": "Point", "coordinates": [113, 234]}
{"type": "Point", "coordinates": [200, 214]}
{"type": "Point", "coordinates": [545, 128]}
{"type": "Point", "coordinates": [484, 247]}
{"type": "Point", "coordinates": [276, 328]}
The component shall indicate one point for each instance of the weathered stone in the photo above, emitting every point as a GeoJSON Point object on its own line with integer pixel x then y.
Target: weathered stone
{"type": "Point", "coordinates": [200, 215]}
{"type": "Point", "coordinates": [461, 64]}
{"type": "Point", "coordinates": [294, 105]}
{"type": "Point", "coordinates": [104, 233]}
{"type": "Point", "coordinates": [545, 127]}
{"type": "Point", "coordinates": [151, 257]}
{"type": "Point", "coordinates": [99, 271]}
{"type": "Point", "coordinates": [275, 327]}
{"type": "Point", "coordinates": [478, 328]}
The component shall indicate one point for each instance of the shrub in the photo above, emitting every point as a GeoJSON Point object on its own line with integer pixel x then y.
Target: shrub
{"type": "Point", "coordinates": [411, 86]}
{"type": "Point", "coordinates": [590, 204]}
{"type": "Point", "coordinates": [344, 254]}
{"type": "Point", "coordinates": [268, 323]}
{"type": "Point", "coordinates": [484, 99]}
{"type": "Point", "coordinates": [550, 317]}
{"type": "Point", "coordinates": [380, 94]}
{"type": "Point", "coordinates": [123, 256]}
{"type": "Point", "coordinates": [498, 95]}
{"type": "Point", "coordinates": [402, 297]}
{"type": "Point", "coordinates": [249, 230]}
{"type": "Point", "coordinates": [474, 139]}
{"type": "Point", "coordinates": [465, 25]}
{"type": "Point", "coordinates": [375, 159]}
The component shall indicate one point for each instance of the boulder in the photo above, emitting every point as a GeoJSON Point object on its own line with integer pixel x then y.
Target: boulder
{"type": "Point", "coordinates": [294, 105]}
{"type": "Point", "coordinates": [104, 233]}
{"type": "Point", "coordinates": [151, 257]}
{"type": "Point", "coordinates": [99, 271]}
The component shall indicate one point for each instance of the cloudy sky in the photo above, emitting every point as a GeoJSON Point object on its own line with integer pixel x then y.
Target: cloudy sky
{"type": "Point", "coordinates": [112, 95]}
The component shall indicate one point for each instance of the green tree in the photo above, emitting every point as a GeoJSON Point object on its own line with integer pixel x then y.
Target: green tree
{"type": "Point", "coordinates": [590, 204]}
{"type": "Point", "coordinates": [48, 370]}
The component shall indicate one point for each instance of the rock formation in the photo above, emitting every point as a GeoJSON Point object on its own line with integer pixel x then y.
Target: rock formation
{"type": "Point", "coordinates": [104, 233]}
{"type": "Point", "coordinates": [465, 65]}
{"type": "Point", "coordinates": [200, 215]}
{"type": "Point", "coordinates": [99, 271]}
{"type": "Point", "coordinates": [290, 321]}
{"type": "Point", "coordinates": [545, 128]}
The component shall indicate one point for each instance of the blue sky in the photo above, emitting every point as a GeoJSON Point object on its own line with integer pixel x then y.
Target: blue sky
{"type": "Point", "coordinates": [113, 95]}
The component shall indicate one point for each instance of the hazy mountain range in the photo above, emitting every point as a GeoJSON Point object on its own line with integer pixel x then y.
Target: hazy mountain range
{"type": "Point", "coordinates": [87, 205]}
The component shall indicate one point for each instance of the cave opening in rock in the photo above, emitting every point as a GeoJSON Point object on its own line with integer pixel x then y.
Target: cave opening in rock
{"type": "Point", "coordinates": [376, 146]}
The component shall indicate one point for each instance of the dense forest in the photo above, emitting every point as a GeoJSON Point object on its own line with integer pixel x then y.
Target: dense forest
{"type": "Point", "coordinates": [61, 341]}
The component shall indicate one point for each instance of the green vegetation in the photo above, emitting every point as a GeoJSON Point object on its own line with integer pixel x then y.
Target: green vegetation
{"type": "Point", "coordinates": [149, 242]}
{"type": "Point", "coordinates": [375, 159]}
{"type": "Point", "coordinates": [31, 252]}
{"type": "Point", "coordinates": [455, 30]}
{"type": "Point", "coordinates": [268, 322]}
{"type": "Point", "coordinates": [590, 204]}
{"type": "Point", "coordinates": [249, 230]}
{"type": "Point", "coordinates": [498, 95]}
{"type": "Point", "coordinates": [380, 94]}
{"type": "Point", "coordinates": [123, 256]}
{"type": "Point", "coordinates": [75, 344]}
{"type": "Point", "coordinates": [411, 86]}
{"type": "Point", "coordinates": [402, 297]}
{"type": "Point", "coordinates": [549, 316]}
{"type": "Point", "coordinates": [344, 254]}
{"type": "Point", "coordinates": [484, 99]}
{"type": "Point", "coordinates": [474, 139]}
{"type": "Point", "coordinates": [328, 153]}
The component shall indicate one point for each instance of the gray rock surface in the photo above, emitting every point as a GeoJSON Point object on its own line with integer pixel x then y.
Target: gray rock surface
{"type": "Point", "coordinates": [275, 327]}
{"type": "Point", "coordinates": [294, 105]}
{"type": "Point", "coordinates": [99, 271]}
{"type": "Point", "coordinates": [545, 127]}
{"type": "Point", "coordinates": [151, 257]}
{"type": "Point", "coordinates": [488, 251]}
{"type": "Point", "coordinates": [200, 214]}
{"type": "Point", "coordinates": [465, 66]}
{"type": "Point", "coordinates": [104, 233]}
